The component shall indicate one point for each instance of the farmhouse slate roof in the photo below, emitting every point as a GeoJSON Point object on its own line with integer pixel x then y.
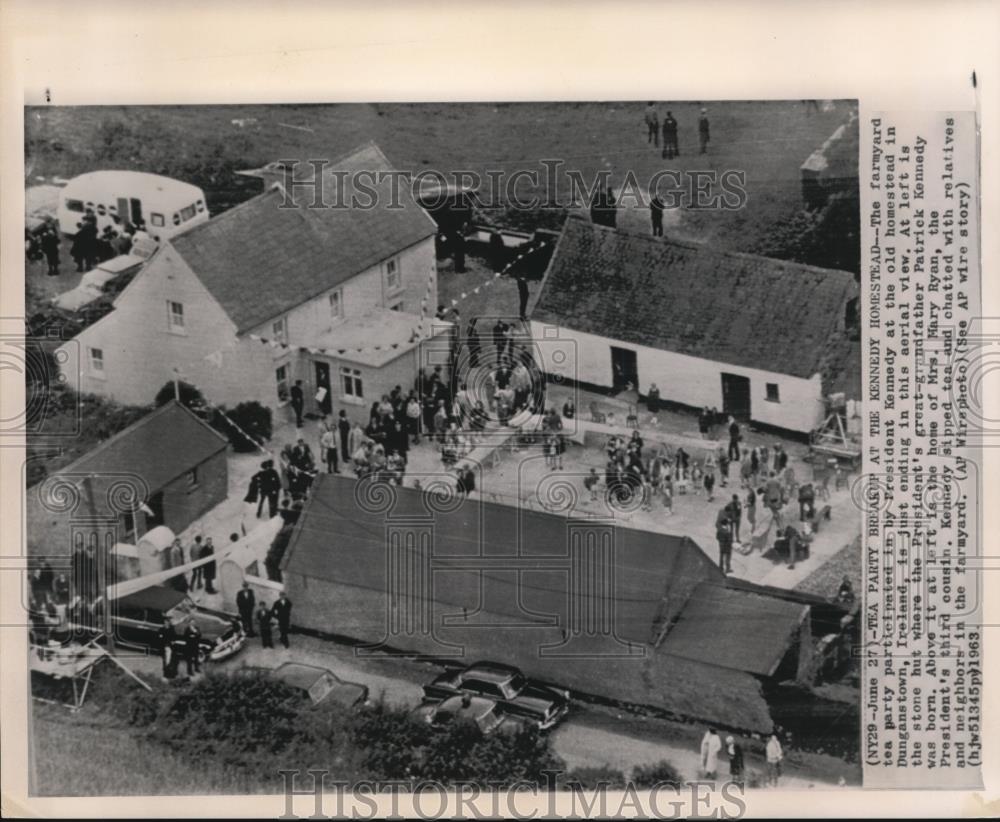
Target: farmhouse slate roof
{"type": "Point", "coordinates": [684, 297]}
{"type": "Point", "coordinates": [259, 260]}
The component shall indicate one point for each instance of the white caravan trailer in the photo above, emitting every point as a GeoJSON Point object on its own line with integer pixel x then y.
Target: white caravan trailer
{"type": "Point", "coordinates": [166, 206]}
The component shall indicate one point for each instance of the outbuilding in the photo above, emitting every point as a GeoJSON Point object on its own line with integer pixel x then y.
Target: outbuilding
{"type": "Point", "coordinates": [585, 603]}
{"type": "Point", "coordinates": [751, 336]}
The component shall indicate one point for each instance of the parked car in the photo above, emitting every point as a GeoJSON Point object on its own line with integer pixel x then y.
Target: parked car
{"type": "Point", "coordinates": [486, 713]}
{"type": "Point", "coordinates": [320, 685]}
{"type": "Point", "coordinates": [514, 694]}
{"type": "Point", "coordinates": [137, 619]}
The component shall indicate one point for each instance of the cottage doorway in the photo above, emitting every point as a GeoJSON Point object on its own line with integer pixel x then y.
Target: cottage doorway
{"type": "Point", "coordinates": [624, 370]}
{"type": "Point", "coordinates": [323, 386]}
{"type": "Point", "coordinates": [736, 396]}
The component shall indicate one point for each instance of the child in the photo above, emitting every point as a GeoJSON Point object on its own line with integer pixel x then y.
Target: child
{"type": "Point", "coordinates": [709, 483]}
{"type": "Point", "coordinates": [590, 483]}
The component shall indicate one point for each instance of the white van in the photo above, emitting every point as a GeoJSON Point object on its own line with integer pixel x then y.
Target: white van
{"type": "Point", "coordinates": [166, 206]}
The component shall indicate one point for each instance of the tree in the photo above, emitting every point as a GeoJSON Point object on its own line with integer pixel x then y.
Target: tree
{"type": "Point", "coordinates": [190, 396]}
{"type": "Point", "coordinates": [247, 425]}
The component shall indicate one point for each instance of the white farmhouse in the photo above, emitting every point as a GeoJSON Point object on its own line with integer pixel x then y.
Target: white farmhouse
{"type": "Point", "coordinates": [758, 338]}
{"type": "Point", "coordinates": [339, 294]}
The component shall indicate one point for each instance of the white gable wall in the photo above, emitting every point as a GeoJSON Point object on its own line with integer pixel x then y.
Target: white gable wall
{"type": "Point", "coordinates": [688, 380]}
{"type": "Point", "coordinates": [141, 350]}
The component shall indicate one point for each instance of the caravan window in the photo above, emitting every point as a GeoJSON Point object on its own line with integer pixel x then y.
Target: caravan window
{"type": "Point", "coordinates": [157, 219]}
{"type": "Point", "coordinates": [187, 213]}
{"type": "Point", "coordinates": [74, 205]}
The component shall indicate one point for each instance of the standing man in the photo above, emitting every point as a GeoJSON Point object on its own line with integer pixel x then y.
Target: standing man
{"type": "Point", "coordinates": [50, 248]}
{"type": "Point", "coordinates": [522, 296]}
{"type": "Point", "coordinates": [328, 444]}
{"type": "Point", "coordinates": [652, 125]}
{"type": "Point", "coordinates": [774, 755]}
{"type": "Point", "coordinates": [724, 534]}
{"type": "Point", "coordinates": [197, 574]}
{"type": "Point", "coordinates": [734, 509]}
{"type": "Point", "coordinates": [344, 428]}
{"type": "Point", "coordinates": [282, 612]}
{"type": "Point", "coordinates": [264, 625]}
{"type": "Point", "coordinates": [192, 649]}
{"type": "Point", "coordinates": [245, 601]}
{"type": "Point", "coordinates": [711, 745]}
{"type": "Point", "coordinates": [298, 402]}
{"type": "Point", "coordinates": [735, 752]}
{"type": "Point", "coordinates": [670, 149]}
{"type": "Point", "coordinates": [209, 568]}
{"type": "Point", "coordinates": [734, 440]}
{"type": "Point", "coordinates": [165, 638]}
{"type": "Point", "coordinates": [656, 207]}
{"type": "Point", "coordinates": [703, 131]}
{"type": "Point", "coordinates": [270, 488]}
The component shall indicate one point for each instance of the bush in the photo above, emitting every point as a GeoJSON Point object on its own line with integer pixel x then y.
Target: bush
{"type": "Point", "coordinates": [646, 776]}
{"type": "Point", "coordinates": [397, 746]}
{"type": "Point", "coordinates": [251, 417]}
{"type": "Point", "coordinates": [591, 779]}
{"type": "Point", "coordinates": [390, 740]}
{"type": "Point", "coordinates": [238, 720]}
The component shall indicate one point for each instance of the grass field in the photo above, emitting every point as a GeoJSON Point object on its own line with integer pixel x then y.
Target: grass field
{"type": "Point", "coordinates": [766, 140]}
{"type": "Point", "coordinates": [82, 755]}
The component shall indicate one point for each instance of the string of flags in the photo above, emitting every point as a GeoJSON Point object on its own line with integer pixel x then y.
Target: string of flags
{"type": "Point", "coordinates": [416, 333]}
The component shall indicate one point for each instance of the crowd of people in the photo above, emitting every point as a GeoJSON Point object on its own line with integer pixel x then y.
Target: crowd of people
{"type": "Point", "coordinates": [90, 245]}
{"type": "Point", "coordinates": [713, 748]}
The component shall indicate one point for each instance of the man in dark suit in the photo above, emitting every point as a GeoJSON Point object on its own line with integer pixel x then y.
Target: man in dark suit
{"type": "Point", "coordinates": [298, 402]}
{"type": "Point", "coordinates": [208, 550]}
{"type": "Point", "coordinates": [192, 649]}
{"type": "Point", "coordinates": [269, 487]}
{"type": "Point", "coordinates": [282, 612]}
{"type": "Point", "coordinates": [245, 601]}
{"type": "Point", "coordinates": [670, 148]}
{"type": "Point", "coordinates": [703, 131]}
{"type": "Point", "coordinates": [166, 637]}
{"type": "Point", "coordinates": [264, 622]}
{"type": "Point", "coordinates": [344, 428]}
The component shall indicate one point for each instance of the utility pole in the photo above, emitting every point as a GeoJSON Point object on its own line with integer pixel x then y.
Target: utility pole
{"type": "Point", "coordinates": [177, 386]}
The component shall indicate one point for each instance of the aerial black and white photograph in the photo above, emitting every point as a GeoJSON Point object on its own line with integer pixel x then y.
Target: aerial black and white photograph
{"type": "Point", "coordinates": [443, 443]}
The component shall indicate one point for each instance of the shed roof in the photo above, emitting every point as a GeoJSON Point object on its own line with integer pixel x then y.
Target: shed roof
{"type": "Point", "coordinates": [159, 448]}
{"type": "Point", "coordinates": [680, 296]}
{"type": "Point", "coordinates": [735, 629]}
{"type": "Point", "coordinates": [339, 538]}
{"type": "Point", "coordinates": [274, 252]}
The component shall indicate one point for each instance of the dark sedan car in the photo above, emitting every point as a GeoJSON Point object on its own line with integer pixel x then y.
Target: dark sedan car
{"type": "Point", "coordinates": [515, 695]}
{"type": "Point", "coordinates": [320, 684]}
{"type": "Point", "coordinates": [485, 713]}
{"type": "Point", "coordinates": [137, 619]}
